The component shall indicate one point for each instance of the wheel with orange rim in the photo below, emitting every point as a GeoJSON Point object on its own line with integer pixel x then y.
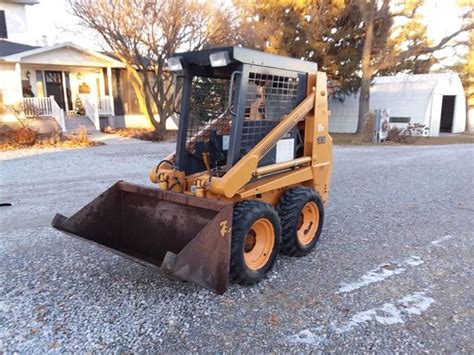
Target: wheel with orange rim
{"type": "Point", "coordinates": [308, 223]}
{"type": "Point", "coordinates": [256, 235]}
{"type": "Point", "coordinates": [259, 243]}
{"type": "Point", "coordinates": [301, 212]}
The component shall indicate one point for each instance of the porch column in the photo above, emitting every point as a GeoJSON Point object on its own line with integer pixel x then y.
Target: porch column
{"type": "Point", "coordinates": [109, 84]}
{"type": "Point", "coordinates": [66, 103]}
{"type": "Point", "coordinates": [18, 92]}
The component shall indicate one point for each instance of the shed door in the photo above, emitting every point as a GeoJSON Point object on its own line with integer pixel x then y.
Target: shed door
{"type": "Point", "coordinates": [447, 114]}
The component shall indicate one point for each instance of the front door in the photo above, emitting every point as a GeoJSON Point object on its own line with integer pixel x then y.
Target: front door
{"type": "Point", "coordinates": [54, 86]}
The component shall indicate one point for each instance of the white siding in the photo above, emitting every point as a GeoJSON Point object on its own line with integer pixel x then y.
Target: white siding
{"type": "Point", "coordinates": [434, 114]}
{"type": "Point", "coordinates": [17, 27]}
{"type": "Point", "coordinates": [10, 83]}
{"type": "Point", "coordinates": [459, 120]}
{"type": "Point", "coordinates": [343, 118]}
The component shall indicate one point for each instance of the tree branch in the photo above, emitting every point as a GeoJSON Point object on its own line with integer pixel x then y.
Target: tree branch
{"type": "Point", "coordinates": [415, 51]}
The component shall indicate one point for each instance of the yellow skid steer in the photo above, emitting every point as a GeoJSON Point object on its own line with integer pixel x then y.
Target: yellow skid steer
{"type": "Point", "coordinates": [249, 177]}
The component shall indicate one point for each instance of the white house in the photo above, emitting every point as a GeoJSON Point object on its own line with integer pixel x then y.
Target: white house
{"type": "Point", "coordinates": [435, 100]}
{"type": "Point", "coordinates": [50, 81]}
{"type": "Point", "coordinates": [65, 82]}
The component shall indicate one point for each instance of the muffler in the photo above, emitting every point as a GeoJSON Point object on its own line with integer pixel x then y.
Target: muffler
{"type": "Point", "coordinates": [188, 237]}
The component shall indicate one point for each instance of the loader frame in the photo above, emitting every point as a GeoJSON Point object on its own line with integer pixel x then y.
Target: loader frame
{"type": "Point", "coordinates": [247, 180]}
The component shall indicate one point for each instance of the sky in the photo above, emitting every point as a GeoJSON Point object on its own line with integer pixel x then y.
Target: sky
{"type": "Point", "coordinates": [441, 16]}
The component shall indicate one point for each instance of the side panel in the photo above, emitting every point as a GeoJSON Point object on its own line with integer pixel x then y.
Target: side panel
{"type": "Point", "coordinates": [321, 140]}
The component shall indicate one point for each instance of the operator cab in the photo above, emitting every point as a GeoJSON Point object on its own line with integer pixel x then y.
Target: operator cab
{"type": "Point", "coordinates": [228, 99]}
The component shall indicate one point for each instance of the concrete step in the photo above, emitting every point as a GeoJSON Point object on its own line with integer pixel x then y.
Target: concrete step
{"type": "Point", "coordinates": [75, 123]}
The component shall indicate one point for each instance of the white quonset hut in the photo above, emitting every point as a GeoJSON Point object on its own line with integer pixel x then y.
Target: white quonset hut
{"type": "Point", "coordinates": [435, 100]}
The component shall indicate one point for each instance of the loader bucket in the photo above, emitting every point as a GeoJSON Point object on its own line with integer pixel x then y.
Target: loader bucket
{"type": "Point", "coordinates": [186, 236]}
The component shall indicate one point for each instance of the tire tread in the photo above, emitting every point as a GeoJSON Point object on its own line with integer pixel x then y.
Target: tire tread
{"type": "Point", "coordinates": [289, 209]}
{"type": "Point", "coordinates": [243, 216]}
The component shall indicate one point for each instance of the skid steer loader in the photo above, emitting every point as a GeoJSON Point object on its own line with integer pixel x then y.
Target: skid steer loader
{"type": "Point", "coordinates": [249, 178]}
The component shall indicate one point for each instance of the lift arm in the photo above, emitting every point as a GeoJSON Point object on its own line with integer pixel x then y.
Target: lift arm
{"type": "Point", "coordinates": [242, 172]}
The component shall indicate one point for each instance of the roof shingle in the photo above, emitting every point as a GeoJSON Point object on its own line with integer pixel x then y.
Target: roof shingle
{"type": "Point", "coordinates": [9, 48]}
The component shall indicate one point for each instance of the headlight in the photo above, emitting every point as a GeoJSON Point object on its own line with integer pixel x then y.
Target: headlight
{"type": "Point", "coordinates": [174, 64]}
{"type": "Point", "coordinates": [219, 59]}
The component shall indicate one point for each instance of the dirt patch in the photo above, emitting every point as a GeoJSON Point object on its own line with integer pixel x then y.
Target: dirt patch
{"type": "Point", "coordinates": [144, 134]}
{"type": "Point", "coordinates": [347, 139]}
{"type": "Point", "coordinates": [25, 137]}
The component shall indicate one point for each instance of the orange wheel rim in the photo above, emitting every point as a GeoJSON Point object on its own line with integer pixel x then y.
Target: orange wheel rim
{"type": "Point", "coordinates": [258, 244]}
{"type": "Point", "coordinates": [308, 223]}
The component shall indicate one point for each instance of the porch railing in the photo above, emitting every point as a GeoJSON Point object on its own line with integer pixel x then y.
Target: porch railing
{"type": "Point", "coordinates": [58, 113]}
{"type": "Point", "coordinates": [44, 107]}
{"type": "Point", "coordinates": [37, 106]}
{"type": "Point", "coordinates": [91, 108]}
{"type": "Point", "coordinates": [105, 106]}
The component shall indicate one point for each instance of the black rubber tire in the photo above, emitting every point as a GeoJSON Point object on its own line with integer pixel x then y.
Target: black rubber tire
{"type": "Point", "coordinates": [289, 209]}
{"type": "Point", "coordinates": [245, 214]}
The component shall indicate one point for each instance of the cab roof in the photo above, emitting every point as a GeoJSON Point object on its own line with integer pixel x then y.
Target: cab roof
{"type": "Point", "coordinates": [249, 56]}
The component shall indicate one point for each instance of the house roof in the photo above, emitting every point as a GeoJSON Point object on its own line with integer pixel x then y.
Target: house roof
{"type": "Point", "coordinates": [410, 78]}
{"type": "Point", "coordinates": [42, 55]}
{"type": "Point", "coordinates": [9, 48]}
{"type": "Point", "coordinates": [23, 2]}
{"type": "Point", "coordinates": [413, 84]}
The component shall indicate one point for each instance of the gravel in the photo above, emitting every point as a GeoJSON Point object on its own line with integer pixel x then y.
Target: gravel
{"type": "Point", "coordinates": [392, 273]}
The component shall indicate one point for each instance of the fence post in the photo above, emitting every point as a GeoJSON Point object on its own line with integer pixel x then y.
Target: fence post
{"type": "Point", "coordinates": [63, 122]}
{"type": "Point", "coordinates": [96, 113]}
{"type": "Point", "coordinates": [111, 95]}
{"type": "Point", "coordinates": [49, 104]}
{"type": "Point", "coordinates": [376, 127]}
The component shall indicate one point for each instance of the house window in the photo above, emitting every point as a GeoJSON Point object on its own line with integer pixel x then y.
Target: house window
{"type": "Point", "coordinates": [27, 89]}
{"type": "Point", "coordinates": [400, 119]}
{"type": "Point", "coordinates": [3, 25]}
{"type": "Point", "coordinates": [39, 84]}
{"type": "Point", "coordinates": [53, 77]}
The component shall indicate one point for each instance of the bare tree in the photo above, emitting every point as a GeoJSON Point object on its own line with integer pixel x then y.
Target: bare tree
{"type": "Point", "coordinates": [144, 33]}
{"type": "Point", "coordinates": [375, 59]}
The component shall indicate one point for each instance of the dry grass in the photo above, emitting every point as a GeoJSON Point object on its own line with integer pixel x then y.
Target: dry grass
{"type": "Point", "coordinates": [143, 134]}
{"type": "Point", "coordinates": [464, 138]}
{"type": "Point", "coordinates": [27, 138]}
{"type": "Point", "coordinates": [353, 139]}
{"type": "Point", "coordinates": [395, 135]}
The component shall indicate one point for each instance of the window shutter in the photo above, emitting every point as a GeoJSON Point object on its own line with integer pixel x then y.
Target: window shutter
{"type": "Point", "coordinates": [3, 25]}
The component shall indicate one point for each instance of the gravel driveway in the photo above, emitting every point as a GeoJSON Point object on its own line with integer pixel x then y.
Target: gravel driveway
{"type": "Point", "coordinates": [393, 271]}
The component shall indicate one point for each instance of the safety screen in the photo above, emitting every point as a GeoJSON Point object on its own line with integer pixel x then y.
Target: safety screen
{"type": "Point", "coordinates": [268, 99]}
{"type": "Point", "coordinates": [207, 112]}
